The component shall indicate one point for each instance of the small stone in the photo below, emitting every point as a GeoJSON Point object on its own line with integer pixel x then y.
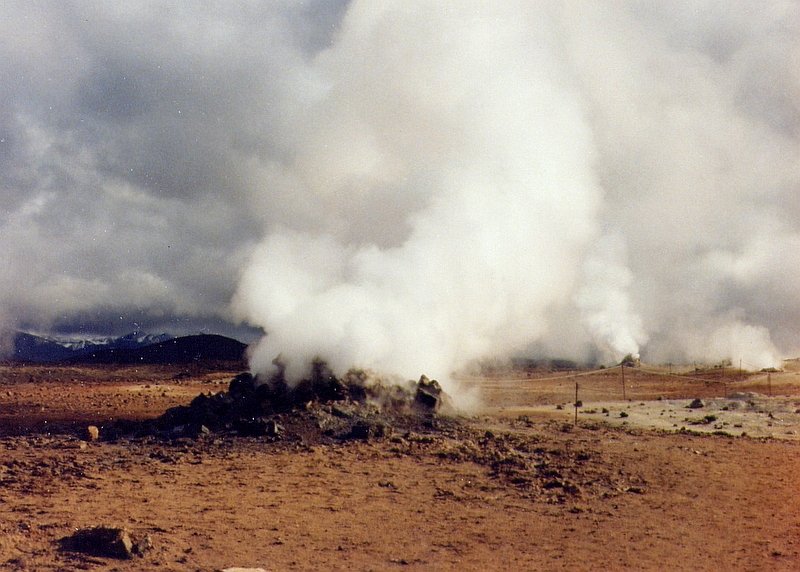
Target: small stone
{"type": "Point", "coordinates": [273, 428]}
{"type": "Point", "coordinates": [92, 433]}
{"type": "Point", "coordinates": [339, 411]}
{"type": "Point", "coordinates": [145, 544]}
{"type": "Point", "coordinates": [361, 430]}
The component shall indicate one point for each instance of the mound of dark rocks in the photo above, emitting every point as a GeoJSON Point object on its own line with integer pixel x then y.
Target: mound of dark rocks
{"type": "Point", "coordinates": [355, 406]}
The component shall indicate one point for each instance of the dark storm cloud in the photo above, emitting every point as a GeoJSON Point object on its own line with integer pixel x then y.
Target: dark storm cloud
{"type": "Point", "coordinates": [128, 137]}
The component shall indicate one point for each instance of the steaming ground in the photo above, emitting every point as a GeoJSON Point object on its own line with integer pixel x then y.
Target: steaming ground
{"type": "Point", "coordinates": [404, 187]}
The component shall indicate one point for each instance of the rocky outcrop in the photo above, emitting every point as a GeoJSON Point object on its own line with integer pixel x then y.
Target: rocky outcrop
{"type": "Point", "coordinates": [355, 406]}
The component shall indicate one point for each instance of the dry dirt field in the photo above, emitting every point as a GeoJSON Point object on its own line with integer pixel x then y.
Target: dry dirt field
{"type": "Point", "coordinates": [516, 486]}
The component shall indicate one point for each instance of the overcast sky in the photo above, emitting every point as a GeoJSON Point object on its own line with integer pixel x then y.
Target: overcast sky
{"type": "Point", "coordinates": [456, 178]}
{"type": "Point", "coordinates": [131, 140]}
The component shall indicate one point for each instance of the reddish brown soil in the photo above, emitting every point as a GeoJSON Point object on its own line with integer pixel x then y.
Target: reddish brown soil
{"type": "Point", "coordinates": [494, 492]}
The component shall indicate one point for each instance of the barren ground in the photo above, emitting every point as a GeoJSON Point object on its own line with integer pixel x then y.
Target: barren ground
{"type": "Point", "coordinates": [517, 486]}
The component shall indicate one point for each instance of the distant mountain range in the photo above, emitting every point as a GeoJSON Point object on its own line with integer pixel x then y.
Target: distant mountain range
{"type": "Point", "coordinates": [136, 347]}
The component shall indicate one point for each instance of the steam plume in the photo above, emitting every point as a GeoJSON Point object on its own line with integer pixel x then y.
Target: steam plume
{"type": "Point", "coordinates": [473, 176]}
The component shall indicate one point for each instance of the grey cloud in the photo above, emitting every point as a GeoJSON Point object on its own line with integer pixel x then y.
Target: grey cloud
{"type": "Point", "coordinates": [128, 136]}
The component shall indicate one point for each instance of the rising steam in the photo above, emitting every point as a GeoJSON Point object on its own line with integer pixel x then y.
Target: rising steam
{"type": "Point", "coordinates": [471, 176]}
{"type": "Point", "coordinates": [480, 156]}
{"type": "Point", "coordinates": [408, 186]}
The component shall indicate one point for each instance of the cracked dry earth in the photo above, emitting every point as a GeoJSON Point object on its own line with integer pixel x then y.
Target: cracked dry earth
{"type": "Point", "coordinates": [478, 493]}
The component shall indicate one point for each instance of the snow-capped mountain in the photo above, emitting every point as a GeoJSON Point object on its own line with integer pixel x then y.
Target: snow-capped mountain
{"type": "Point", "coordinates": [35, 348]}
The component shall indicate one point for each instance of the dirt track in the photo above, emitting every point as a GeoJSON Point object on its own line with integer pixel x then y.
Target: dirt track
{"type": "Point", "coordinates": [497, 491]}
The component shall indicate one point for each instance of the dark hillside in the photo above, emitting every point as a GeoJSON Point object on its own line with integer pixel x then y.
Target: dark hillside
{"type": "Point", "coordinates": [32, 348]}
{"type": "Point", "coordinates": [182, 350]}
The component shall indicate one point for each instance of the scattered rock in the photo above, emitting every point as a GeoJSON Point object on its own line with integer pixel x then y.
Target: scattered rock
{"type": "Point", "coordinates": [366, 430]}
{"type": "Point", "coordinates": [103, 541]}
{"type": "Point", "coordinates": [429, 394]}
{"type": "Point", "coordinates": [342, 412]}
{"type": "Point", "coordinates": [274, 428]}
{"type": "Point", "coordinates": [553, 484]}
{"type": "Point", "coordinates": [143, 545]}
{"type": "Point", "coordinates": [92, 433]}
{"type": "Point", "coordinates": [257, 426]}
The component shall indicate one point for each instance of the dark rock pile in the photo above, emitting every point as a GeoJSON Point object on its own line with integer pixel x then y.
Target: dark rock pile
{"type": "Point", "coordinates": [354, 406]}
